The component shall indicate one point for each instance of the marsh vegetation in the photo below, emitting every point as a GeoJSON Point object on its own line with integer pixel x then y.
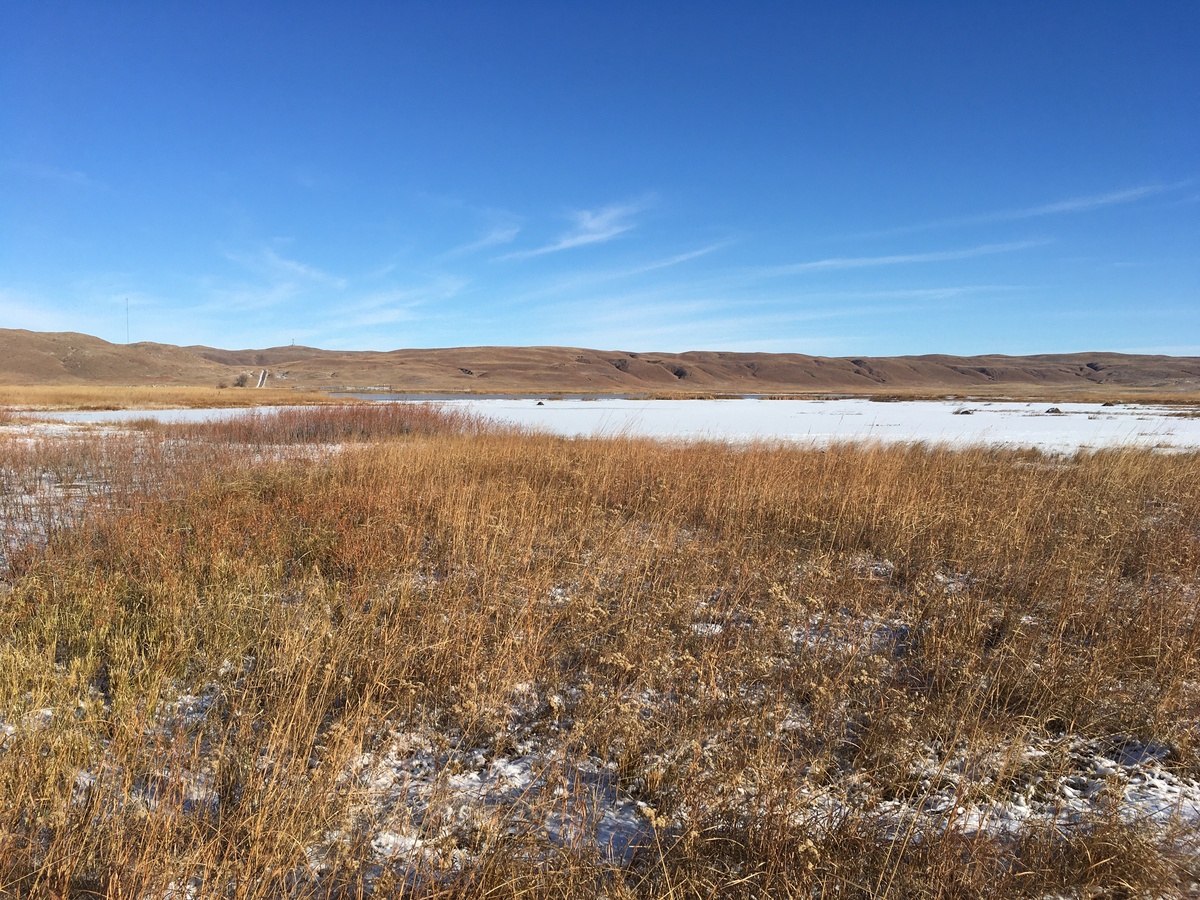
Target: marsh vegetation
{"type": "Point", "coordinates": [390, 651]}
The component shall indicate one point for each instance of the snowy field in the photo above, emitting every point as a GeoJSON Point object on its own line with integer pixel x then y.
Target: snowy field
{"type": "Point", "coordinates": [1074, 426]}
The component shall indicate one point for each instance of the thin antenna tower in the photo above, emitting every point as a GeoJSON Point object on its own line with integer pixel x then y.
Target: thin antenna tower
{"type": "Point", "coordinates": [127, 320]}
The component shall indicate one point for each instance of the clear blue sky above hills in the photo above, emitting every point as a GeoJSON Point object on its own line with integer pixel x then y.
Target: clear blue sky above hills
{"type": "Point", "coordinates": [845, 178]}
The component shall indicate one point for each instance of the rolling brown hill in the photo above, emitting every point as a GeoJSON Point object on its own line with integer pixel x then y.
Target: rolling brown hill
{"type": "Point", "coordinates": [67, 358]}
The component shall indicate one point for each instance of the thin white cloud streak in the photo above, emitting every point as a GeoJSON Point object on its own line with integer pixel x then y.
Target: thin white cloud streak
{"type": "Point", "coordinates": [675, 317]}
{"type": "Point", "coordinates": [1057, 208]}
{"type": "Point", "coordinates": [286, 282]}
{"type": "Point", "coordinates": [499, 226]}
{"type": "Point", "coordinates": [670, 261]}
{"type": "Point", "coordinates": [586, 280]}
{"type": "Point", "coordinates": [665, 332]}
{"type": "Point", "coordinates": [381, 317]}
{"type": "Point", "coordinates": [244, 297]}
{"type": "Point", "coordinates": [281, 265]}
{"type": "Point", "coordinates": [1075, 204]}
{"type": "Point", "coordinates": [864, 262]}
{"type": "Point", "coordinates": [496, 237]}
{"type": "Point", "coordinates": [392, 298]}
{"type": "Point", "coordinates": [392, 306]}
{"type": "Point", "coordinates": [740, 286]}
{"type": "Point", "coordinates": [948, 292]}
{"type": "Point", "coordinates": [271, 264]}
{"type": "Point", "coordinates": [683, 307]}
{"type": "Point", "coordinates": [395, 305]}
{"type": "Point", "coordinates": [591, 227]}
{"type": "Point", "coordinates": [650, 311]}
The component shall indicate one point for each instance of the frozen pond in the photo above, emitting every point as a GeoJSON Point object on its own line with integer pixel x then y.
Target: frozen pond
{"type": "Point", "coordinates": [1075, 426]}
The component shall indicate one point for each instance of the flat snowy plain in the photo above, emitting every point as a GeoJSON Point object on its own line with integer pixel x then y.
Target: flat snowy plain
{"type": "Point", "coordinates": [993, 423]}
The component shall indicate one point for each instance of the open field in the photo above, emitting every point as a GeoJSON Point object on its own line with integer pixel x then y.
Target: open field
{"type": "Point", "coordinates": [389, 650]}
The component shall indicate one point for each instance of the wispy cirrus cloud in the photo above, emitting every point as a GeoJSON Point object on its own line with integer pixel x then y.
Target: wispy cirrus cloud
{"type": "Point", "coordinates": [587, 280]}
{"type": "Point", "coordinates": [660, 320]}
{"type": "Point", "coordinates": [267, 262]}
{"type": "Point", "coordinates": [244, 297]}
{"type": "Point", "coordinates": [669, 261]}
{"type": "Point", "coordinates": [292, 268]}
{"type": "Point", "coordinates": [1074, 204]}
{"type": "Point", "coordinates": [494, 226]}
{"type": "Point", "coordinates": [592, 226]}
{"type": "Point", "coordinates": [399, 304]}
{"type": "Point", "coordinates": [1056, 208]}
{"type": "Point", "coordinates": [496, 236]}
{"type": "Point", "coordinates": [899, 259]}
{"type": "Point", "coordinates": [270, 280]}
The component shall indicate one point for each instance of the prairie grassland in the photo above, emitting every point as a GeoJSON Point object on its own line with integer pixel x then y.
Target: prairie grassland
{"type": "Point", "coordinates": [100, 397]}
{"type": "Point", "coordinates": [93, 397]}
{"type": "Point", "coordinates": [386, 651]}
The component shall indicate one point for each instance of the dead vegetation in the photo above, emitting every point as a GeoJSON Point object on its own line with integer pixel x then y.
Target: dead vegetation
{"type": "Point", "coordinates": [383, 651]}
{"type": "Point", "coordinates": [63, 358]}
{"type": "Point", "coordinates": [102, 397]}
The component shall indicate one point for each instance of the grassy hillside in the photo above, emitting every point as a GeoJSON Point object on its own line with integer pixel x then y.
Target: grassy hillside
{"type": "Point", "coordinates": [66, 359]}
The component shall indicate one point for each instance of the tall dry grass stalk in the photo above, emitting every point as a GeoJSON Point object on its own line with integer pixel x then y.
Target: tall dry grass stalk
{"type": "Point", "coordinates": [788, 658]}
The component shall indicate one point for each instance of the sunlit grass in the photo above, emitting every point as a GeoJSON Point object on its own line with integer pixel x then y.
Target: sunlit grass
{"type": "Point", "coordinates": [762, 646]}
{"type": "Point", "coordinates": [91, 397]}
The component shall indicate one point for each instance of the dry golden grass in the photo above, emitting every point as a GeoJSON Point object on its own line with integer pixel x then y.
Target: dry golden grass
{"type": "Point", "coordinates": [764, 646]}
{"type": "Point", "coordinates": [100, 397]}
{"type": "Point", "coordinates": [97, 397]}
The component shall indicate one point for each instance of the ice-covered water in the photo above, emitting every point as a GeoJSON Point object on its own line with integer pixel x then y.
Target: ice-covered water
{"type": "Point", "coordinates": [993, 423]}
{"type": "Point", "coordinates": [1076, 425]}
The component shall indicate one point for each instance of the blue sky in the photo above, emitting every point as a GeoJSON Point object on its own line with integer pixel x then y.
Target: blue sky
{"type": "Point", "coordinates": [838, 179]}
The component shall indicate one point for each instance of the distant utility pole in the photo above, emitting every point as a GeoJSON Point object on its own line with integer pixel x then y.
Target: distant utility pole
{"type": "Point", "coordinates": [127, 320]}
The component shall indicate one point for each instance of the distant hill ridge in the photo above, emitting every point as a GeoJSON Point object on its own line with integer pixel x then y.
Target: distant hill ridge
{"type": "Point", "coordinates": [63, 358]}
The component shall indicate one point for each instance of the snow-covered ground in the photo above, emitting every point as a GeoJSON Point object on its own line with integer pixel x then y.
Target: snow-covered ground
{"type": "Point", "coordinates": [1074, 426]}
